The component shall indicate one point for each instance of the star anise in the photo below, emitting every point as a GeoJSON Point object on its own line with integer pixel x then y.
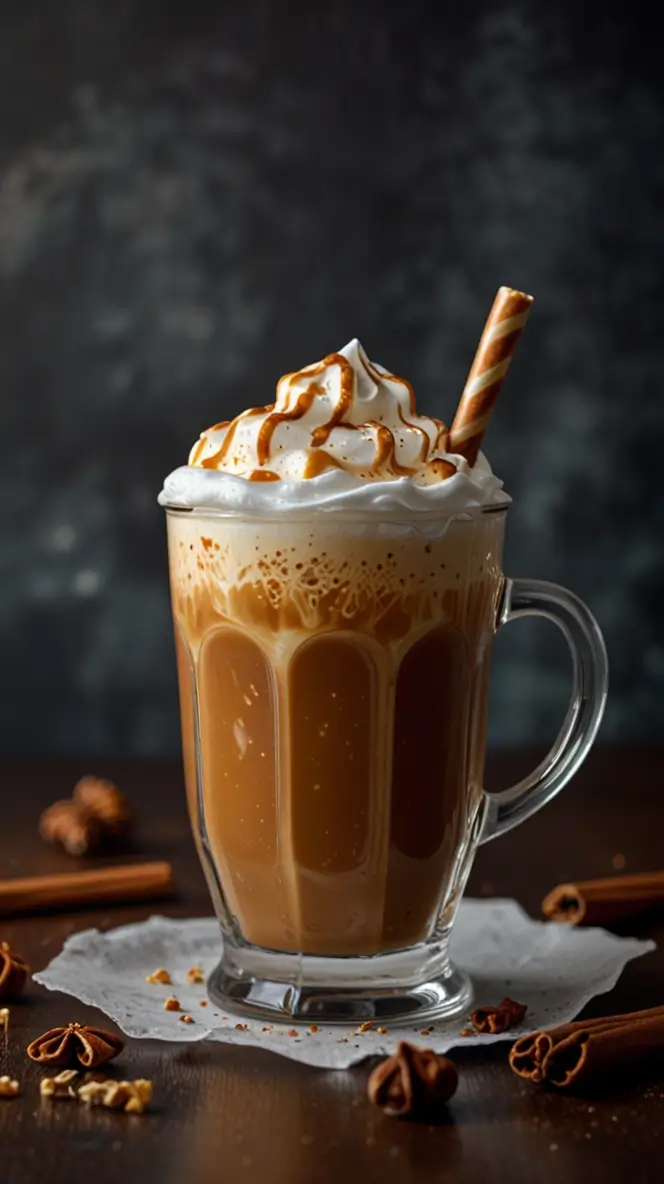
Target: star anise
{"type": "Point", "coordinates": [13, 972]}
{"type": "Point", "coordinates": [60, 1047]}
{"type": "Point", "coordinates": [494, 1020]}
{"type": "Point", "coordinates": [415, 1082]}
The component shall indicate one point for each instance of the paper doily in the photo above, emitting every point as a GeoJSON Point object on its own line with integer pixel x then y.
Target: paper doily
{"type": "Point", "coordinates": [554, 969]}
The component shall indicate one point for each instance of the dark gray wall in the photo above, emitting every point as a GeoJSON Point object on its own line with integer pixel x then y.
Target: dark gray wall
{"type": "Point", "coordinates": [196, 197]}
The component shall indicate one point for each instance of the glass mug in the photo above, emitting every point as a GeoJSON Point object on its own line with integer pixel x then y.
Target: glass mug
{"type": "Point", "coordinates": [334, 680]}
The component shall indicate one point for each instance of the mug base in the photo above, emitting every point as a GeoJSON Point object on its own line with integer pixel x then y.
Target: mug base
{"type": "Point", "coordinates": [410, 985]}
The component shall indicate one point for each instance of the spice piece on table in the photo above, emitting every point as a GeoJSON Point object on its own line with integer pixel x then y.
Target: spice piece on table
{"type": "Point", "coordinates": [187, 1019]}
{"type": "Point", "coordinates": [76, 1042]}
{"type": "Point", "coordinates": [415, 1082]}
{"type": "Point", "coordinates": [172, 1004]}
{"type": "Point", "coordinates": [104, 885]}
{"type": "Point", "coordinates": [71, 825]}
{"type": "Point", "coordinates": [14, 972]}
{"type": "Point", "coordinates": [9, 1088]}
{"type": "Point", "coordinates": [605, 901]}
{"type": "Point", "coordinates": [131, 1096]}
{"type": "Point", "coordinates": [61, 1086]}
{"type": "Point", "coordinates": [159, 976]}
{"type": "Point", "coordinates": [106, 803]}
{"type": "Point", "coordinates": [494, 1020]}
{"type": "Point", "coordinates": [4, 1020]}
{"type": "Point", "coordinates": [588, 1051]}
{"type": "Point", "coordinates": [195, 975]}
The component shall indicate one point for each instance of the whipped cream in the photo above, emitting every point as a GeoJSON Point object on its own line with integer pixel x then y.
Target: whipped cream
{"type": "Point", "coordinates": [342, 433]}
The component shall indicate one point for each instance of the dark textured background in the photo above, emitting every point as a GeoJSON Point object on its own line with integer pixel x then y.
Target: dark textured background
{"type": "Point", "coordinates": [196, 197]}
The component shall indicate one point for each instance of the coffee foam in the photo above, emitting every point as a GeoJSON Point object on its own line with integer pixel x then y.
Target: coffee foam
{"type": "Point", "coordinates": [303, 579]}
{"type": "Point", "coordinates": [343, 434]}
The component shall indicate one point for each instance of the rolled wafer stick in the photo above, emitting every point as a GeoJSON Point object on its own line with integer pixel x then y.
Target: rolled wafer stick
{"type": "Point", "coordinates": [494, 354]}
{"type": "Point", "coordinates": [603, 902]}
{"type": "Point", "coordinates": [579, 1053]}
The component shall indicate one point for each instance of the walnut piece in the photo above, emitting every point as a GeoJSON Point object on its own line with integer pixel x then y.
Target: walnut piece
{"type": "Point", "coordinates": [96, 812]}
{"type": "Point", "coordinates": [497, 1019]}
{"type": "Point", "coordinates": [14, 972]}
{"type": "Point", "coordinates": [159, 976]}
{"type": "Point", "coordinates": [71, 825]}
{"type": "Point", "coordinates": [9, 1088]}
{"type": "Point", "coordinates": [131, 1096]}
{"type": "Point", "coordinates": [61, 1086]}
{"type": "Point", "coordinates": [172, 1004]}
{"type": "Point", "coordinates": [76, 1042]}
{"type": "Point", "coordinates": [195, 975]}
{"type": "Point", "coordinates": [104, 802]}
{"type": "Point", "coordinates": [415, 1082]}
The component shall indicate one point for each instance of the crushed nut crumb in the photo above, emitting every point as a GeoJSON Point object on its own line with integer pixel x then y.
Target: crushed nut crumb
{"type": "Point", "coordinates": [4, 1020]}
{"type": "Point", "coordinates": [159, 976]}
{"type": "Point", "coordinates": [172, 1004]}
{"type": "Point", "coordinates": [267, 1028]}
{"type": "Point", "coordinates": [314, 1028]}
{"type": "Point", "coordinates": [367, 1026]}
{"type": "Point", "coordinates": [293, 1032]}
{"type": "Point", "coordinates": [9, 1088]}
{"type": "Point", "coordinates": [131, 1096]}
{"type": "Point", "coordinates": [195, 975]}
{"type": "Point", "coordinates": [61, 1086]}
{"type": "Point", "coordinates": [186, 1019]}
{"type": "Point", "coordinates": [467, 1032]}
{"type": "Point", "coordinates": [242, 1027]}
{"type": "Point", "coordinates": [203, 1003]}
{"type": "Point", "coordinates": [382, 1031]}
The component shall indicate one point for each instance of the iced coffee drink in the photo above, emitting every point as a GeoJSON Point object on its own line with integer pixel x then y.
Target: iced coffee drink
{"type": "Point", "coordinates": [336, 583]}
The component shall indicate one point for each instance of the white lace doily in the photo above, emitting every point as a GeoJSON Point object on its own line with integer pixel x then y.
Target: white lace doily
{"type": "Point", "coordinates": [555, 970]}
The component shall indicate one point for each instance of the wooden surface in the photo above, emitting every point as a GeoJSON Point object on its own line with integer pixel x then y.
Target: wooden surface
{"type": "Point", "coordinates": [231, 1114]}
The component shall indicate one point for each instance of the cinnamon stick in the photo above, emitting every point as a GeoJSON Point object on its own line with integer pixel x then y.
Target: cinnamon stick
{"type": "Point", "coordinates": [104, 885]}
{"type": "Point", "coordinates": [603, 902]}
{"type": "Point", "coordinates": [586, 1051]}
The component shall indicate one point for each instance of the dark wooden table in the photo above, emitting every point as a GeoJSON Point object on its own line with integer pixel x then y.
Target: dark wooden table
{"type": "Point", "coordinates": [224, 1113]}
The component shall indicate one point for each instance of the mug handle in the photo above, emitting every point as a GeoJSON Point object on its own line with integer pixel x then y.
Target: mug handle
{"type": "Point", "coordinates": [590, 677]}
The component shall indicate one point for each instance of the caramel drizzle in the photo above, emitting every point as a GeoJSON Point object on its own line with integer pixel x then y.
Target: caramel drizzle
{"type": "Point", "coordinates": [385, 459]}
{"type": "Point", "coordinates": [322, 434]}
{"type": "Point", "coordinates": [426, 442]}
{"type": "Point", "coordinates": [263, 475]}
{"type": "Point", "coordinates": [213, 462]}
{"type": "Point", "coordinates": [443, 437]}
{"type": "Point", "coordinates": [385, 451]}
{"type": "Point", "coordinates": [378, 376]}
{"type": "Point", "coordinates": [320, 462]}
{"type": "Point", "coordinates": [269, 426]}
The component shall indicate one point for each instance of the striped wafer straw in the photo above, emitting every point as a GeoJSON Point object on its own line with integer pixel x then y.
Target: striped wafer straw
{"type": "Point", "coordinates": [494, 354]}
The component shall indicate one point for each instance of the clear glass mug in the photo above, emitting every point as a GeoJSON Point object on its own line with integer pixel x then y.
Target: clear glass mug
{"type": "Point", "coordinates": [334, 680]}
